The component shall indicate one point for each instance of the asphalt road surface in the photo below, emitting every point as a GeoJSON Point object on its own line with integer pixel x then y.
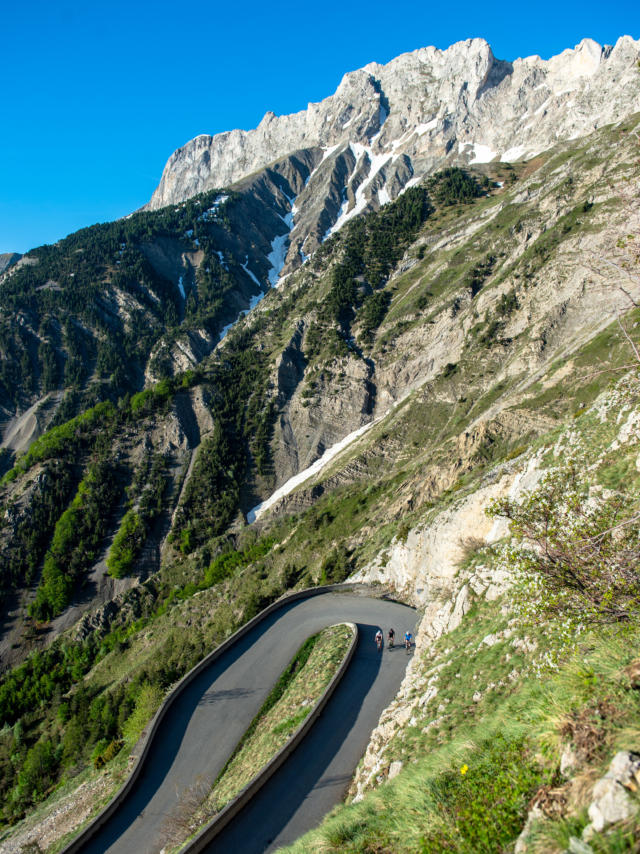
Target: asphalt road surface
{"type": "Point", "coordinates": [205, 723]}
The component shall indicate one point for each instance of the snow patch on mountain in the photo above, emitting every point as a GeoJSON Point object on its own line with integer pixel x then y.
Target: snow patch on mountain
{"type": "Point", "coordinates": [482, 153]}
{"type": "Point", "coordinates": [277, 256]}
{"type": "Point", "coordinates": [302, 476]}
{"type": "Point", "coordinates": [225, 329]}
{"type": "Point", "coordinates": [413, 116]}
{"type": "Point", "coordinates": [212, 212]}
{"type": "Point", "coordinates": [253, 302]}
{"type": "Point", "coordinates": [376, 163]}
{"type": "Point", "coordinates": [515, 153]}
{"type": "Point", "coordinates": [421, 129]}
{"type": "Point", "coordinates": [280, 244]}
{"type": "Point", "coordinates": [249, 273]}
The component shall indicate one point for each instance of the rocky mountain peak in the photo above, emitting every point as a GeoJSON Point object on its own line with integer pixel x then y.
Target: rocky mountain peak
{"type": "Point", "coordinates": [8, 259]}
{"type": "Point", "coordinates": [387, 126]}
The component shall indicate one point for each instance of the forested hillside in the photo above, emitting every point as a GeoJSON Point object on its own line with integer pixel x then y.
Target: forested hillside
{"type": "Point", "coordinates": [113, 306]}
{"type": "Point", "coordinates": [481, 324]}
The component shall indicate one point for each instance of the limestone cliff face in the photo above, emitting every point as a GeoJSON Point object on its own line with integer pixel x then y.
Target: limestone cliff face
{"type": "Point", "coordinates": [8, 259]}
{"type": "Point", "coordinates": [562, 301]}
{"type": "Point", "coordinates": [426, 568]}
{"type": "Point", "coordinates": [389, 125]}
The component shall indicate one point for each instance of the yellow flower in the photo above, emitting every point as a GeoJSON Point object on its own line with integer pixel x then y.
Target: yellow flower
{"type": "Point", "coordinates": [464, 769]}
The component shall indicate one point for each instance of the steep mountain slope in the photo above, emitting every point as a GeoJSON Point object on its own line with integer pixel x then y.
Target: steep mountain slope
{"type": "Point", "coordinates": [182, 276]}
{"type": "Point", "coordinates": [116, 306]}
{"type": "Point", "coordinates": [8, 259]}
{"type": "Point", "coordinates": [472, 326]}
{"type": "Point", "coordinates": [387, 126]}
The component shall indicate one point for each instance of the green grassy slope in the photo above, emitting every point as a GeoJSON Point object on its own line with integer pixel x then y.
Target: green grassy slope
{"type": "Point", "coordinates": [528, 699]}
{"type": "Point", "coordinates": [492, 321]}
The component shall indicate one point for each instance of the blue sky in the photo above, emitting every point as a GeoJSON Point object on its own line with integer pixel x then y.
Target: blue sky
{"type": "Point", "coordinates": [96, 95]}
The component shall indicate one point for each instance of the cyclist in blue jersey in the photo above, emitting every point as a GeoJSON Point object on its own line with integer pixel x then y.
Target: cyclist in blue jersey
{"type": "Point", "coordinates": [408, 637]}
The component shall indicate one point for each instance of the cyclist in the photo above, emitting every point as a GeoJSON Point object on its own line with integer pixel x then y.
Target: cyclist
{"type": "Point", "coordinates": [391, 637]}
{"type": "Point", "coordinates": [408, 637]}
{"type": "Point", "coordinates": [379, 639]}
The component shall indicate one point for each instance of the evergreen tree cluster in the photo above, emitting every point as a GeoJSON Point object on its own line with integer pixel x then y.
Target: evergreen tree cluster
{"type": "Point", "coordinates": [454, 186]}
{"type": "Point", "coordinates": [136, 523]}
{"type": "Point", "coordinates": [60, 322]}
{"type": "Point", "coordinates": [76, 539]}
{"type": "Point", "coordinates": [371, 246]}
{"type": "Point", "coordinates": [30, 534]}
{"type": "Point", "coordinates": [243, 418]}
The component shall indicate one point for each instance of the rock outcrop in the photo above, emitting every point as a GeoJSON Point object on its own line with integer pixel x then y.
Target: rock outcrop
{"type": "Point", "coordinates": [8, 259]}
{"type": "Point", "coordinates": [613, 794]}
{"type": "Point", "coordinates": [387, 126]}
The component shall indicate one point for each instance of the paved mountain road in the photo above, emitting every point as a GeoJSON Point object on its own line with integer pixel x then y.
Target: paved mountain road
{"type": "Point", "coordinates": [207, 720]}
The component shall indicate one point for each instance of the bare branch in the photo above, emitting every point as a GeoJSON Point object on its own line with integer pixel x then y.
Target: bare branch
{"type": "Point", "coordinates": [628, 295]}
{"type": "Point", "coordinates": [601, 534]}
{"type": "Point", "coordinates": [619, 369]}
{"type": "Point", "coordinates": [628, 337]}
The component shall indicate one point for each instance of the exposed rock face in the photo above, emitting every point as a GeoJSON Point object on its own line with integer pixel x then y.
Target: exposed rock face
{"type": "Point", "coordinates": [8, 259]}
{"type": "Point", "coordinates": [614, 800]}
{"type": "Point", "coordinates": [389, 125]}
{"type": "Point", "coordinates": [425, 570]}
{"type": "Point", "coordinates": [613, 795]}
{"type": "Point", "coordinates": [426, 563]}
{"type": "Point", "coordinates": [19, 431]}
{"type": "Point", "coordinates": [313, 418]}
{"type": "Point", "coordinates": [184, 353]}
